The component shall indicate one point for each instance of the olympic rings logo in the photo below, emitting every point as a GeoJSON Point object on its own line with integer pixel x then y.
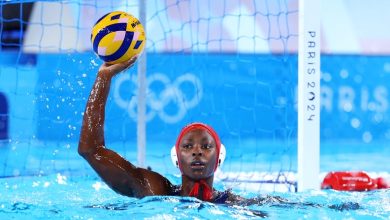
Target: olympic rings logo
{"type": "Point", "coordinates": [157, 100]}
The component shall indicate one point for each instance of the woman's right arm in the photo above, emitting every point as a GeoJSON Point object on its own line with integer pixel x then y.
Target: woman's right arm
{"type": "Point", "coordinates": [122, 176]}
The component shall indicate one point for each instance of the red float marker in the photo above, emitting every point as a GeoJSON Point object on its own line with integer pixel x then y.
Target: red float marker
{"type": "Point", "coordinates": [353, 181]}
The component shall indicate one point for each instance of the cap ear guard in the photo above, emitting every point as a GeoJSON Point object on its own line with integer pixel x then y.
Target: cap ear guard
{"type": "Point", "coordinates": [174, 159]}
{"type": "Point", "coordinates": [222, 156]}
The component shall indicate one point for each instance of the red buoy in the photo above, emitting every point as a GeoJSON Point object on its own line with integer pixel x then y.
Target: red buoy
{"type": "Point", "coordinates": [353, 181]}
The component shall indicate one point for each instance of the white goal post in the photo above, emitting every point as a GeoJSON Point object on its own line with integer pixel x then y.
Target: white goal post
{"type": "Point", "coordinates": [309, 95]}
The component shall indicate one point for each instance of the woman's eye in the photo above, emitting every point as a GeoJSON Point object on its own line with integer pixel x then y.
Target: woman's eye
{"type": "Point", "coordinates": [186, 146]}
{"type": "Point", "coordinates": [207, 146]}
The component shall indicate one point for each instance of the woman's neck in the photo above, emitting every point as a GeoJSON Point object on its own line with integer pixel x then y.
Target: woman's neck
{"type": "Point", "coordinates": [188, 184]}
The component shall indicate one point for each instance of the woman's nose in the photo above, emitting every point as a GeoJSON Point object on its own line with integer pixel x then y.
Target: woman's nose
{"type": "Point", "coordinates": [197, 150]}
{"type": "Point", "coordinates": [197, 154]}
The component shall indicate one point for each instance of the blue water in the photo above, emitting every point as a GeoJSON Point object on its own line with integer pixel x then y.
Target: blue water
{"type": "Point", "coordinates": [54, 182]}
{"type": "Point", "coordinates": [59, 197]}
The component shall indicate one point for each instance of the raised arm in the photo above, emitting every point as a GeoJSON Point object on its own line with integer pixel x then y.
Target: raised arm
{"type": "Point", "coordinates": [122, 176]}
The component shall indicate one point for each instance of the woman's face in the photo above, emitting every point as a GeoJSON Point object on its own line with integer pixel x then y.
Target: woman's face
{"type": "Point", "coordinates": [197, 154]}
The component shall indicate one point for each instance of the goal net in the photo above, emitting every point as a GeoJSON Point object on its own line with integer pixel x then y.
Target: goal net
{"type": "Point", "coordinates": [230, 64]}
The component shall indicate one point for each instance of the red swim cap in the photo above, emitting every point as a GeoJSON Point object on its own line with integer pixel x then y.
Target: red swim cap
{"type": "Point", "coordinates": [197, 125]}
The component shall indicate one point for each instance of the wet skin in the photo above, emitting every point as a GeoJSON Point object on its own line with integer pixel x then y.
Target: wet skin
{"type": "Point", "coordinates": [197, 154]}
{"type": "Point", "coordinates": [121, 175]}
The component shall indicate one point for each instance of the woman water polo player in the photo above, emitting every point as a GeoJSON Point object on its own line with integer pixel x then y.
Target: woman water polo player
{"type": "Point", "coordinates": [197, 148]}
{"type": "Point", "coordinates": [198, 152]}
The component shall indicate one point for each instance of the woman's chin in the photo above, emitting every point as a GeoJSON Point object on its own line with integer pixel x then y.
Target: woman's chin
{"type": "Point", "coordinates": [199, 175]}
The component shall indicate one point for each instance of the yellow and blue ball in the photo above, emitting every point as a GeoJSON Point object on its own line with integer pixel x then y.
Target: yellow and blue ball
{"type": "Point", "coordinates": [118, 36]}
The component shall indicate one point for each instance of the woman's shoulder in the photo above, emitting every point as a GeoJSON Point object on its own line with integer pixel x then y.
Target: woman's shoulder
{"type": "Point", "coordinates": [175, 190]}
{"type": "Point", "coordinates": [230, 198]}
{"type": "Point", "coordinates": [226, 197]}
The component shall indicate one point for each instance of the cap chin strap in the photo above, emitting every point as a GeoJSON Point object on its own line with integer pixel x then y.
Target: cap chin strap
{"type": "Point", "coordinates": [222, 156]}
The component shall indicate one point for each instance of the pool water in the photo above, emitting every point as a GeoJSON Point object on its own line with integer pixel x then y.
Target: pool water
{"type": "Point", "coordinates": [59, 197]}
{"type": "Point", "coordinates": [43, 182]}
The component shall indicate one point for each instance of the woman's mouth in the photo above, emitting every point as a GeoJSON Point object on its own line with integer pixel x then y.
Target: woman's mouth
{"type": "Point", "coordinates": [197, 165]}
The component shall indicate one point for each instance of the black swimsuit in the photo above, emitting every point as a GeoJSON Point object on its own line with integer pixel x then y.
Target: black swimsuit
{"type": "Point", "coordinates": [219, 199]}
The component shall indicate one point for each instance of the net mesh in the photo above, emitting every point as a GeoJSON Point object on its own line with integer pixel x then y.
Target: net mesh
{"type": "Point", "coordinates": [230, 64]}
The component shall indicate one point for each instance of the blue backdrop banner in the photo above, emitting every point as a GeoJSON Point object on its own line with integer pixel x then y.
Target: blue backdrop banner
{"type": "Point", "coordinates": [245, 96]}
